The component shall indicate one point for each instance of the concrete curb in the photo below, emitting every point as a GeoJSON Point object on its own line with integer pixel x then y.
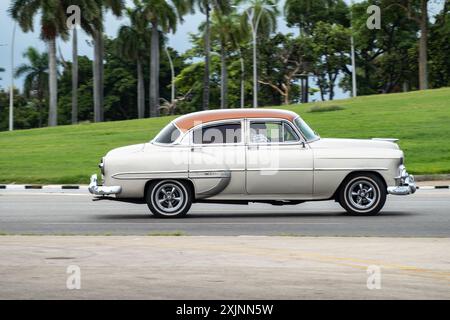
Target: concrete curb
{"type": "Point", "coordinates": [42, 187]}
{"type": "Point", "coordinates": [431, 177]}
{"type": "Point", "coordinates": [433, 187]}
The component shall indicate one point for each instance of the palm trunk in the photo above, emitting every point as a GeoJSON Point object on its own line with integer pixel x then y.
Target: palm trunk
{"type": "Point", "coordinates": [74, 76]}
{"type": "Point", "coordinates": [423, 46]}
{"type": "Point", "coordinates": [255, 74]}
{"type": "Point", "coordinates": [41, 101]}
{"type": "Point", "coordinates": [224, 78]}
{"type": "Point", "coordinates": [53, 85]}
{"type": "Point", "coordinates": [98, 76]}
{"type": "Point", "coordinates": [305, 89]}
{"type": "Point", "coordinates": [241, 59]}
{"type": "Point", "coordinates": [306, 97]}
{"type": "Point", "coordinates": [140, 90]}
{"type": "Point", "coordinates": [102, 77]}
{"type": "Point", "coordinates": [207, 62]}
{"type": "Point", "coordinates": [154, 72]}
{"type": "Point", "coordinates": [172, 76]}
{"type": "Point", "coordinates": [242, 82]}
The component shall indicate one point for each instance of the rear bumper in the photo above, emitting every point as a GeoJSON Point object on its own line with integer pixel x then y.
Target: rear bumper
{"type": "Point", "coordinates": [405, 183]}
{"type": "Point", "coordinates": [95, 189]}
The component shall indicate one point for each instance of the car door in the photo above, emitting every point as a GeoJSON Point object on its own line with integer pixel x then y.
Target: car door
{"type": "Point", "coordinates": [277, 161]}
{"type": "Point", "coordinates": [217, 159]}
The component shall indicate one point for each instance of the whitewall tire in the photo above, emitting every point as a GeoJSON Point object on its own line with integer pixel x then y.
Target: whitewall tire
{"type": "Point", "coordinates": [169, 198]}
{"type": "Point", "coordinates": [362, 194]}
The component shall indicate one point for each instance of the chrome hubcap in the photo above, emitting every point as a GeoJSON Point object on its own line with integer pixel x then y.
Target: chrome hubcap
{"type": "Point", "coordinates": [169, 197]}
{"type": "Point", "coordinates": [362, 194]}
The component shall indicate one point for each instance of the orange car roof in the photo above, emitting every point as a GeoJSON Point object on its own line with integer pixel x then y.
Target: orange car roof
{"type": "Point", "coordinates": [188, 121]}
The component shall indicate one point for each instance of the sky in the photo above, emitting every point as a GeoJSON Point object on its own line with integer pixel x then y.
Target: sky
{"type": "Point", "coordinates": [179, 40]}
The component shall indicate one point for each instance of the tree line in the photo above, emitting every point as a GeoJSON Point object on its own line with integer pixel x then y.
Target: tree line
{"type": "Point", "coordinates": [135, 74]}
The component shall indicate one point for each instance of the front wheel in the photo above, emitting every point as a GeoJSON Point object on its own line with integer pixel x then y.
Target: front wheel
{"type": "Point", "coordinates": [362, 194]}
{"type": "Point", "coordinates": [169, 198]}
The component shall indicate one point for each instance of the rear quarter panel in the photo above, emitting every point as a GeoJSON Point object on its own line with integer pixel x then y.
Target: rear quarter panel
{"type": "Point", "coordinates": [132, 171]}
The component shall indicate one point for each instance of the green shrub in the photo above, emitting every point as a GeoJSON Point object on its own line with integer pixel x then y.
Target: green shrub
{"type": "Point", "coordinates": [325, 108]}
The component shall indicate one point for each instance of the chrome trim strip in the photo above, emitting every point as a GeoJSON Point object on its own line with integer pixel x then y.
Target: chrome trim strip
{"type": "Point", "coordinates": [346, 169]}
{"type": "Point", "coordinates": [119, 176]}
{"type": "Point", "coordinates": [199, 173]}
{"type": "Point", "coordinates": [280, 169]}
{"type": "Point", "coordinates": [386, 139]}
{"type": "Point", "coordinates": [210, 174]}
{"type": "Point", "coordinates": [355, 158]}
{"type": "Point", "coordinates": [217, 173]}
{"type": "Point", "coordinates": [215, 170]}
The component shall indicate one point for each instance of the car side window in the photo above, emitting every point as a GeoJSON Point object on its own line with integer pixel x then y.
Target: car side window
{"type": "Point", "coordinates": [218, 134]}
{"type": "Point", "coordinates": [271, 132]}
{"type": "Point", "coordinates": [289, 134]}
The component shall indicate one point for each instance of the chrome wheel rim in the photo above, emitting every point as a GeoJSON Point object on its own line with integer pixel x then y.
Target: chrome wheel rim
{"type": "Point", "coordinates": [169, 198]}
{"type": "Point", "coordinates": [362, 194]}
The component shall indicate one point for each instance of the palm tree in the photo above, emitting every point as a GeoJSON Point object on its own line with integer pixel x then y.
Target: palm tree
{"type": "Point", "coordinates": [53, 24]}
{"type": "Point", "coordinates": [74, 75]}
{"type": "Point", "coordinates": [94, 26]}
{"type": "Point", "coordinates": [90, 10]}
{"type": "Point", "coordinates": [227, 30]}
{"type": "Point", "coordinates": [36, 76]}
{"type": "Point", "coordinates": [259, 18]}
{"type": "Point", "coordinates": [133, 43]}
{"type": "Point", "coordinates": [205, 6]}
{"type": "Point", "coordinates": [163, 16]}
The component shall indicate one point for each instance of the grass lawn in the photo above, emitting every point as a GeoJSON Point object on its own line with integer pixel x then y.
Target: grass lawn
{"type": "Point", "coordinates": [69, 154]}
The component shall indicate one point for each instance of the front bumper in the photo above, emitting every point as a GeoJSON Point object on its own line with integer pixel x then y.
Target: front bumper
{"type": "Point", "coordinates": [404, 183]}
{"type": "Point", "coordinates": [95, 189]}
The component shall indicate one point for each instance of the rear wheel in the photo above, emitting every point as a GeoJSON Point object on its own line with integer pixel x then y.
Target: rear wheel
{"type": "Point", "coordinates": [362, 194]}
{"type": "Point", "coordinates": [169, 198]}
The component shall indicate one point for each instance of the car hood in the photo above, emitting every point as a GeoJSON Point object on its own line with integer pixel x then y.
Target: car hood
{"type": "Point", "coordinates": [126, 150]}
{"type": "Point", "coordinates": [328, 143]}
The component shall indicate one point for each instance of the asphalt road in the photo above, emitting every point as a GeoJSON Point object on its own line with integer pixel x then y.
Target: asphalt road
{"type": "Point", "coordinates": [424, 214]}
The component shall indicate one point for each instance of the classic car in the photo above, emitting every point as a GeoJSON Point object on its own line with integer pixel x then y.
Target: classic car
{"type": "Point", "coordinates": [241, 156]}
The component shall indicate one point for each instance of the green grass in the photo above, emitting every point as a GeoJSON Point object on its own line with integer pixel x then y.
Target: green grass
{"type": "Point", "coordinates": [69, 154]}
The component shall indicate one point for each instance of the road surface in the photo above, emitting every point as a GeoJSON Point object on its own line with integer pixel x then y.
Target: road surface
{"type": "Point", "coordinates": [424, 214]}
{"type": "Point", "coordinates": [141, 267]}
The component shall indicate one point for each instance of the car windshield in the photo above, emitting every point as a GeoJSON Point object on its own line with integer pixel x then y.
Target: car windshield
{"type": "Point", "coordinates": [307, 132]}
{"type": "Point", "coordinates": [168, 135]}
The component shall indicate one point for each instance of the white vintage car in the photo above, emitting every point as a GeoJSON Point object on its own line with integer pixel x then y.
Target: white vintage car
{"type": "Point", "coordinates": [252, 155]}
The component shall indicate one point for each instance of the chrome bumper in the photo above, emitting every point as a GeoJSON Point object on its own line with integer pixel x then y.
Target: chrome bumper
{"type": "Point", "coordinates": [95, 189]}
{"type": "Point", "coordinates": [404, 184]}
